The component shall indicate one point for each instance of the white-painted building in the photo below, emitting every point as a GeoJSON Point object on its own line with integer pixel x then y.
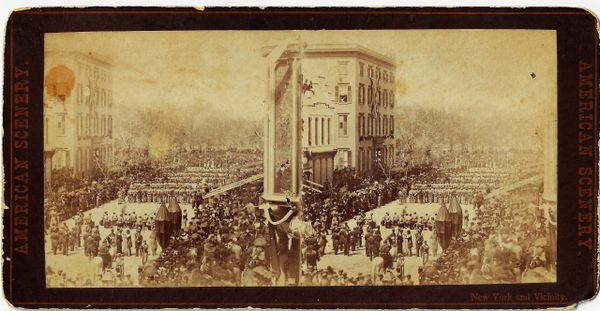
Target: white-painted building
{"type": "Point", "coordinates": [78, 119]}
{"type": "Point", "coordinates": [351, 101]}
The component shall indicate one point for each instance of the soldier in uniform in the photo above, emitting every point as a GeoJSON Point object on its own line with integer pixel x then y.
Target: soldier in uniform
{"type": "Point", "coordinates": [311, 257]}
{"type": "Point", "coordinates": [344, 240]}
{"type": "Point", "coordinates": [354, 238]}
{"type": "Point", "coordinates": [409, 243]}
{"type": "Point", "coordinates": [185, 217]}
{"type": "Point", "coordinates": [89, 245]}
{"type": "Point", "coordinates": [71, 238]}
{"type": "Point", "coordinates": [144, 252]}
{"type": "Point", "coordinates": [369, 244]}
{"type": "Point", "coordinates": [335, 239]}
{"type": "Point", "coordinates": [96, 238]}
{"type": "Point", "coordinates": [399, 241]}
{"type": "Point", "coordinates": [400, 264]}
{"type": "Point", "coordinates": [377, 238]}
{"type": "Point", "coordinates": [424, 251]}
{"type": "Point", "coordinates": [418, 241]}
{"type": "Point", "coordinates": [54, 238]}
{"type": "Point", "coordinates": [63, 235]}
{"type": "Point", "coordinates": [407, 239]}
{"type": "Point", "coordinates": [138, 242]}
{"type": "Point", "coordinates": [321, 242]}
{"type": "Point", "coordinates": [103, 253]}
{"type": "Point", "coordinates": [119, 241]}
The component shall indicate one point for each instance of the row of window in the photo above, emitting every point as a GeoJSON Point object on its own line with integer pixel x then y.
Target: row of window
{"type": "Point", "coordinates": [382, 125]}
{"type": "Point", "coordinates": [385, 97]}
{"type": "Point", "coordinates": [319, 131]}
{"type": "Point", "coordinates": [376, 73]}
{"type": "Point", "coordinates": [93, 72]}
{"type": "Point", "coordinates": [98, 96]}
{"type": "Point", "coordinates": [94, 125]}
{"type": "Point", "coordinates": [369, 158]}
{"type": "Point", "coordinates": [375, 96]}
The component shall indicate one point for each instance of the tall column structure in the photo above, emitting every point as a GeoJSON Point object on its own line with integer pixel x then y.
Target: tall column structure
{"type": "Point", "coordinates": [282, 183]}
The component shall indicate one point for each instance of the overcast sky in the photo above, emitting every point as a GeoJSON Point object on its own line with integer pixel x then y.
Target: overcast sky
{"type": "Point", "coordinates": [484, 72]}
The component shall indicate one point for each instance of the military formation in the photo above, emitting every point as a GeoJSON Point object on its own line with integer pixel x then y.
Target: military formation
{"type": "Point", "coordinates": [124, 236]}
{"type": "Point", "coordinates": [115, 238]}
{"type": "Point", "coordinates": [400, 234]}
{"type": "Point", "coordinates": [438, 193]}
{"type": "Point", "coordinates": [224, 241]}
{"type": "Point", "coordinates": [186, 186]}
{"type": "Point", "coordinates": [157, 193]}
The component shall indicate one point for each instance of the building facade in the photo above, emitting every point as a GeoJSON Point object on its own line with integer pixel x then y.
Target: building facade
{"type": "Point", "coordinates": [78, 121]}
{"type": "Point", "coordinates": [318, 136]}
{"type": "Point", "coordinates": [355, 87]}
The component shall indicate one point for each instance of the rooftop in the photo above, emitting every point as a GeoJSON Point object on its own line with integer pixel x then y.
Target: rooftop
{"type": "Point", "coordinates": [336, 49]}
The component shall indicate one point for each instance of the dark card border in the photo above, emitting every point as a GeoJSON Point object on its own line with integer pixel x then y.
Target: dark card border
{"type": "Point", "coordinates": [24, 280]}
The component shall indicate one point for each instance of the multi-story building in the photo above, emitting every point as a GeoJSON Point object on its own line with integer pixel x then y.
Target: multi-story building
{"type": "Point", "coordinates": [355, 91]}
{"type": "Point", "coordinates": [78, 120]}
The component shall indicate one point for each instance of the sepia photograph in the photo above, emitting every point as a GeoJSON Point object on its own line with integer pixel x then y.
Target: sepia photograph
{"type": "Point", "coordinates": [300, 158]}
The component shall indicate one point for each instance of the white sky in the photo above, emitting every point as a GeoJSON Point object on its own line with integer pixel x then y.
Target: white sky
{"type": "Point", "coordinates": [486, 72]}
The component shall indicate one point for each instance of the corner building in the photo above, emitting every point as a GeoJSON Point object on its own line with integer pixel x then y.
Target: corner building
{"type": "Point", "coordinates": [354, 88]}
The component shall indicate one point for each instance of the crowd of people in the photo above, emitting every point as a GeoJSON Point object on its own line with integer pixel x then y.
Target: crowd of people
{"type": "Point", "coordinates": [483, 252]}
{"type": "Point", "coordinates": [511, 240]}
{"type": "Point", "coordinates": [330, 277]}
{"type": "Point", "coordinates": [186, 185]}
{"type": "Point", "coordinates": [180, 159]}
{"type": "Point", "coordinates": [224, 244]}
{"type": "Point", "coordinates": [112, 239]}
{"type": "Point", "coordinates": [225, 240]}
{"type": "Point", "coordinates": [106, 243]}
{"type": "Point", "coordinates": [343, 201]}
{"type": "Point", "coordinates": [72, 194]}
{"type": "Point", "coordinates": [64, 205]}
